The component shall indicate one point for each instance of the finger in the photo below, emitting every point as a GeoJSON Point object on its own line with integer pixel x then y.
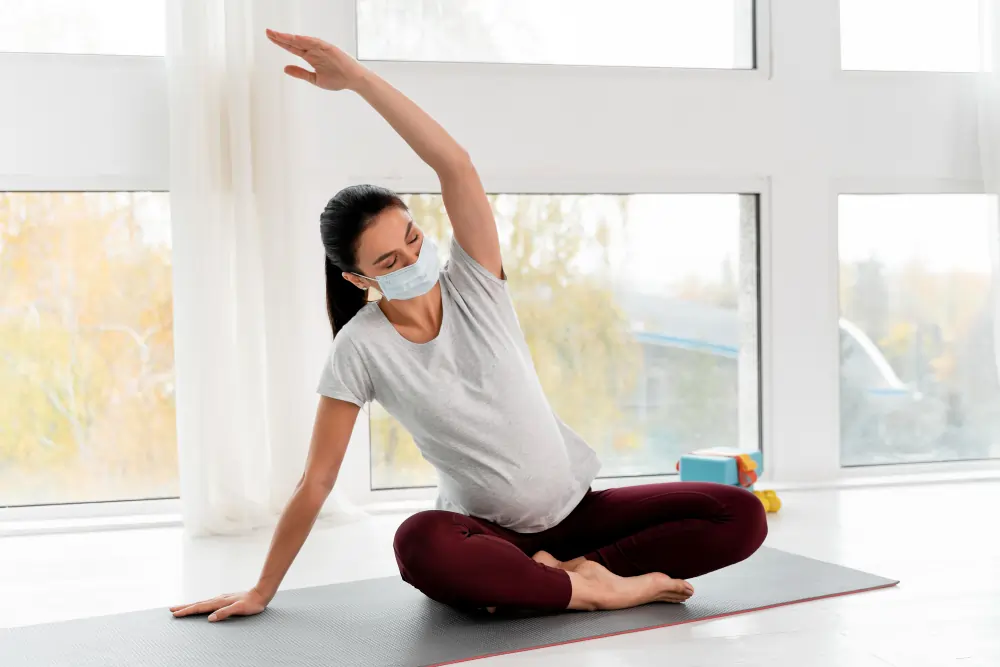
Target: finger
{"type": "Point", "coordinates": [184, 610]}
{"type": "Point", "coordinates": [276, 36]}
{"type": "Point", "coordinates": [300, 73]}
{"type": "Point", "coordinates": [303, 42]}
{"type": "Point", "coordinates": [279, 36]}
{"type": "Point", "coordinates": [297, 44]}
{"type": "Point", "coordinates": [200, 608]}
{"type": "Point", "coordinates": [187, 611]}
{"type": "Point", "coordinates": [291, 49]}
{"type": "Point", "coordinates": [226, 612]}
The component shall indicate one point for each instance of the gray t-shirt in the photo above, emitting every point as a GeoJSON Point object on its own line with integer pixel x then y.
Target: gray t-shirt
{"type": "Point", "coordinates": [472, 400]}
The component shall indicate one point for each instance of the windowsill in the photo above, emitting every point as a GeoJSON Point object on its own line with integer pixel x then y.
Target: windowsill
{"type": "Point", "coordinates": [16, 528]}
{"type": "Point", "coordinates": [866, 478]}
{"type": "Point", "coordinates": [89, 517]}
{"type": "Point", "coordinates": [873, 480]}
{"type": "Point", "coordinates": [168, 517]}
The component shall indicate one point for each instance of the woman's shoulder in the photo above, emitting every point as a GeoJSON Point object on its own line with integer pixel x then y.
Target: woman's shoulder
{"type": "Point", "coordinates": [361, 330]}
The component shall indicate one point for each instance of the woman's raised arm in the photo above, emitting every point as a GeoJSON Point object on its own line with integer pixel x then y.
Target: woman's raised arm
{"type": "Point", "coordinates": [461, 188]}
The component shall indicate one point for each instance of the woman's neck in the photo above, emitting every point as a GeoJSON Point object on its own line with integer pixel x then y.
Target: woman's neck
{"type": "Point", "coordinates": [417, 319]}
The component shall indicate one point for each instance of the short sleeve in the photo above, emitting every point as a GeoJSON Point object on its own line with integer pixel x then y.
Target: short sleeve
{"type": "Point", "coordinates": [344, 375]}
{"type": "Point", "coordinates": [468, 275]}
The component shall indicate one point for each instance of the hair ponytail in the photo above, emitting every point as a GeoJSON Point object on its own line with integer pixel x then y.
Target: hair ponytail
{"type": "Point", "coordinates": [346, 215]}
{"type": "Point", "coordinates": [343, 299]}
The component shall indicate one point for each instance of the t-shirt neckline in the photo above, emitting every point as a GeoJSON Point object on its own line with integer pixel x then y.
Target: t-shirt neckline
{"type": "Point", "coordinates": [444, 320]}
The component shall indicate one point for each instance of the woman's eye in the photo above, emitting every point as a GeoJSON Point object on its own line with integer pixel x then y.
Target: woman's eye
{"type": "Point", "coordinates": [414, 239]}
{"type": "Point", "coordinates": [391, 264]}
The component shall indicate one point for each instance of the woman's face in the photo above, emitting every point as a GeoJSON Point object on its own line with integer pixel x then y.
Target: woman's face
{"type": "Point", "coordinates": [389, 243]}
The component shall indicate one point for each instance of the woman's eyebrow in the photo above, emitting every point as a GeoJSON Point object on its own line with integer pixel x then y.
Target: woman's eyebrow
{"type": "Point", "coordinates": [409, 226]}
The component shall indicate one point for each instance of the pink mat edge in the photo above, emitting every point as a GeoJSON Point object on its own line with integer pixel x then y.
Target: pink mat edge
{"type": "Point", "coordinates": [669, 625]}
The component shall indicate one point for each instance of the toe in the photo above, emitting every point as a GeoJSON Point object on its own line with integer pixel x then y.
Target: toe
{"type": "Point", "coordinates": [674, 590]}
{"type": "Point", "coordinates": [545, 558]}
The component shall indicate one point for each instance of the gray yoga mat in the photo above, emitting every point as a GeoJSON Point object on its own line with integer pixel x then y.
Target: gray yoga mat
{"type": "Point", "coordinates": [385, 622]}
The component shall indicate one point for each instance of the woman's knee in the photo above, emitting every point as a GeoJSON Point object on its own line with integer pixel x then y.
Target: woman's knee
{"type": "Point", "coordinates": [749, 521]}
{"type": "Point", "coordinates": [421, 542]}
{"type": "Point", "coordinates": [436, 556]}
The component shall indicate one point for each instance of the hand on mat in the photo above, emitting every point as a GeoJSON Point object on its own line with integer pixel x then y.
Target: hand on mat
{"type": "Point", "coordinates": [334, 69]}
{"type": "Point", "coordinates": [224, 606]}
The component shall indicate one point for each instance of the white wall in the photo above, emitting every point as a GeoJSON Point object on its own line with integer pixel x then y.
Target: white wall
{"type": "Point", "coordinates": [83, 122]}
{"type": "Point", "coordinates": [797, 131]}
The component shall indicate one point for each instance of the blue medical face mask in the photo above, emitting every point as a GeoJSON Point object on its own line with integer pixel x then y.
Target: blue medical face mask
{"type": "Point", "coordinates": [414, 280]}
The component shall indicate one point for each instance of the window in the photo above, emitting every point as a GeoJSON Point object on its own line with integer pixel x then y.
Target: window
{"type": "Point", "coordinates": [918, 302]}
{"type": "Point", "coordinates": [641, 315]}
{"type": "Point", "coordinates": [910, 35]}
{"type": "Point", "coordinates": [86, 348]}
{"type": "Point", "coordinates": [114, 27]}
{"type": "Point", "coordinates": [639, 33]}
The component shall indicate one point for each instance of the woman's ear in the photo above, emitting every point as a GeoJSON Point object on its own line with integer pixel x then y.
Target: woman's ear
{"type": "Point", "coordinates": [371, 292]}
{"type": "Point", "coordinates": [354, 280]}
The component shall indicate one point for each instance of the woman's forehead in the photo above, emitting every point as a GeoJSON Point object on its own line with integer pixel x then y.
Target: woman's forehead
{"type": "Point", "coordinates": [387, 232]}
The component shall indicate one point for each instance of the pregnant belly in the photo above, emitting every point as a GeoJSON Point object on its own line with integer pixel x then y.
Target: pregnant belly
{"type": "Point", "coordinates": [536, 486]}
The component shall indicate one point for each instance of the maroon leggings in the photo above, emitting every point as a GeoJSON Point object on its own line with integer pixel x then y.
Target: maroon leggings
{"type": "Point", "coordinates": [683, 529]}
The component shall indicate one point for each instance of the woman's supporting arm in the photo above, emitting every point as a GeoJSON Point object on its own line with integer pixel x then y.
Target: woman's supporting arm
{"type": "Point", "coordinates": [461, 188]}
{"type": "Point", "coordinates": [331, 433]}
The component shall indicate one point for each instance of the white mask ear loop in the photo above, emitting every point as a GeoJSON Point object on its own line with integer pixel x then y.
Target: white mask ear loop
{"type": "Point", "coordinates": [367, 289]}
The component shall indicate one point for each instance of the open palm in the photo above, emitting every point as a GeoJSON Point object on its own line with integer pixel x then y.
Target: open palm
{"type": "Point", "coordinates": [333, 69]}
{"type": "Point", "coordinates": [224, 606]}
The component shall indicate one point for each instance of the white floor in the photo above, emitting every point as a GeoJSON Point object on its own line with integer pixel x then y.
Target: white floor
{"type": "Point", "coordinates": [942, 541]}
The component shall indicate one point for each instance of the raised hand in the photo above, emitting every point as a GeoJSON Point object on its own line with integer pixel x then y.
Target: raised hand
{"type": "Point", "coordinates": [224, 606]}
{"type": "Point", "coordinates": [333, 68]}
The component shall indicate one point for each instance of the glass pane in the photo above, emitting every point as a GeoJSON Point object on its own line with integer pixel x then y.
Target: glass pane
{"type": "Point", "coordinates": [918, 302]}
{"type": "Point", "coordinates": [86, 348]}
{"type": "Point", "coordinates": [910, 35]}
{"type": "Point", "coordinates": [637, 33]}
{"type": "Point", "coordinates": [641, 315]}
{"type": "Point", "coordinates": [115, 27]}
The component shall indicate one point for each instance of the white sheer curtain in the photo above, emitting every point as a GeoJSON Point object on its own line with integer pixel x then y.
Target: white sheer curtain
{"type": "Point", "coordinates": [230, 142]}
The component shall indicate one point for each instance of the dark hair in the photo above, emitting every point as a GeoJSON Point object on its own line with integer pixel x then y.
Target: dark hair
{"type": "Point", "coordinates": [346, 215]}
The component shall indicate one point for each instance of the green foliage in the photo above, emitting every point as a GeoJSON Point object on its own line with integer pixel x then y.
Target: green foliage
{"type": "Point", "coordinates": [86, 350]}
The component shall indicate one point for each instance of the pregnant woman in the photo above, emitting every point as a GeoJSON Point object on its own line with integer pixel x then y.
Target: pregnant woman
{"type": "Point", "coordinates": [517, 525]}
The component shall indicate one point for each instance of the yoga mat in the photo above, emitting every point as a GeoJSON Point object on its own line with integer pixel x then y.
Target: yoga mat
{"type": "Point", "coordinates": [385, 622]}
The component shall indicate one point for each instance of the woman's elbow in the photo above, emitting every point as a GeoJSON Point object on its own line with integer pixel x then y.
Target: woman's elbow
{"type": "Point", "coordinates": [457, 162]}
{"type": "Point", "coordinates": [316, 488]}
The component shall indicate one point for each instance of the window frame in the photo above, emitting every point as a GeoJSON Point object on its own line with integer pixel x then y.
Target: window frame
{"type": "Point", "coordinates": [897, 186]}
{"type": "Point", "coordinates": [797, 176]}
{"type": "Point", "coordinates": [760, 49]}
{"type": "Point", "coordinates": [108, 155]}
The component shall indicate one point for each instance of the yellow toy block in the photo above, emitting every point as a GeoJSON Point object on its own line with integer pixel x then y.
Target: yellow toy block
{"type": "Point", "coordinates": [769, 499]}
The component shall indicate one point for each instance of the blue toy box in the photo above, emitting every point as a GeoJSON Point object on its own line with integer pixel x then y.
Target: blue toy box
{"type": "Point", "coordinates": [701, 466]}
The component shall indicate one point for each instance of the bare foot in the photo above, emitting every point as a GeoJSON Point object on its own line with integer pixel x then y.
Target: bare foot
{"type": "Point", "coordinates": [545, 558]}
{"type": "Point", "coordinates": [596, 587]}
